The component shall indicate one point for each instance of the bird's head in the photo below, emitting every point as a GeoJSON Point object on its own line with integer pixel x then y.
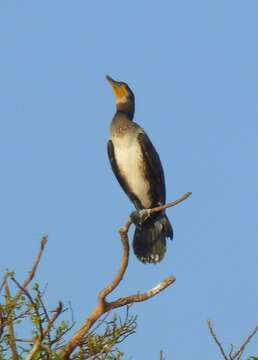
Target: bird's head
{"type": "Point", "coordinates": [124, 96]}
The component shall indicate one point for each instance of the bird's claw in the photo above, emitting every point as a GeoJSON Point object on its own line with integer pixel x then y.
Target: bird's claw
{"type": "Point", "coordinates": [140, 216]}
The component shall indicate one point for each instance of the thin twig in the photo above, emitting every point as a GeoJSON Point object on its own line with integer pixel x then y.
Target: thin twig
{"type": "Point", "coordinates": [22, 315]}
{"type": "Point", "coordinates": [10, 324]}
{"type": "Point", "coordinates": [216, 340]}
{"type": "Point", "coordinates": [4, 280]}
{"type": "Point", "coordinates": [32, 271]}
{"type": "Point", "coordinates": [231, 352]}
{"type": "Point", "coordinates": [239, 353]}
{"type": "Point", "coordinates": [39, 296]}
{"type": "Point", "coordinates": [30, 341]}
{"type": "Point", "coordinates": [100, 323]}
{"type": "Point", "coordinates": [33, 304]}
{"type": "Point", "coordinates": [38, 342]}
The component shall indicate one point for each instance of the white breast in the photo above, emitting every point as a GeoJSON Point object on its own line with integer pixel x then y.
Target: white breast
{"type": "Point", "coordinates": [129, 160]}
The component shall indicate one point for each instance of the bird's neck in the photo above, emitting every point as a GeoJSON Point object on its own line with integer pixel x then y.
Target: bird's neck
{"type": "Point", "coordinates": [125, 108]}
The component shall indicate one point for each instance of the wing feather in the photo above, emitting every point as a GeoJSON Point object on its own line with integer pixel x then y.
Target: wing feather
{"type": "Point", "coordinates": [154, 170]}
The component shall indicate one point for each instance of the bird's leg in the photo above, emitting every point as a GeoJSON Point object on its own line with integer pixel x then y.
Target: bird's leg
{"type": "Point", "coordinates": [140, 216]}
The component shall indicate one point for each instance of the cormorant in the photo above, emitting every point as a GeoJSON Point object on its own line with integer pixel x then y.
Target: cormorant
{"type": "Point", "coordinates": [138, 169]}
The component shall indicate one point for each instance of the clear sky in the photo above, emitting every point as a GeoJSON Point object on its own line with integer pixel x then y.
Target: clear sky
{"type": "Point", "coordinates": [193, 66]}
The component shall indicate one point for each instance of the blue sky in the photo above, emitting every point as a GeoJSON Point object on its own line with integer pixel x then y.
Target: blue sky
{"type": "Point", "coordinates": [193, 68]}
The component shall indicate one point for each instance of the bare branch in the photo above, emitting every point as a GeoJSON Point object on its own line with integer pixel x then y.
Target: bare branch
{"type": "Point", "coordinates": [172, 203]}
{"type": "Point", "coordinates": [32, 272]}
{"type": "Point", "coordinates": [239, 353]}
{"type": "Point", "coordinates": [4, 280]}
{"type": "Point", "coordinates": [216, 340]}
{"type": "Point", "coordinates": [103, 305]}
{"type": "Point", "coordinates": [119, 276]}
{"type": "Point", "coordinates": [142, 297]}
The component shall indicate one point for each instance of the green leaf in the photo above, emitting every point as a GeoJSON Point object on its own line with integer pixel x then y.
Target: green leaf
{"type": "Point", "coordinates": [36, 286]}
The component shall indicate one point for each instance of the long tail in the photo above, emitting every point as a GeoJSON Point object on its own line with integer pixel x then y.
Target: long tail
{"type": "Point", "coordinates": [149, 242]}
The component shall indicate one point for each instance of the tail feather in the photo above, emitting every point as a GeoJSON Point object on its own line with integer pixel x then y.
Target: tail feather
{"type": "Point", "coordinates": [167, 227]}
{"type": "Point", "coordinates": [149, 242]}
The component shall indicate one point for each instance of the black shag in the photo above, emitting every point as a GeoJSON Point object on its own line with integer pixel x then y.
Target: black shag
{"type": "Point", "coordinates": [138, 169]}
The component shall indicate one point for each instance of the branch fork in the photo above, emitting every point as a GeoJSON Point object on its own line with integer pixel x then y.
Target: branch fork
{"type": "Point", "coordinates": [232, 355]}
{"type": "Point", "coordinates": [103, 306]}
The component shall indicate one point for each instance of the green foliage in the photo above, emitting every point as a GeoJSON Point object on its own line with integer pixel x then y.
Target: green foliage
{"type": "Point", "coordinates": [102, 343]}
{"type": "Point", "coordinates": [28, 314]}
{"type": "Point", "coordinates": [45, 331]}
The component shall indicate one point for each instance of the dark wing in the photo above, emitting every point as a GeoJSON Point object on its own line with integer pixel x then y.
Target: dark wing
{"type": "Point", "coordinates": [121, 179]}
{"type": "Point", "coordinates": [153, 170]}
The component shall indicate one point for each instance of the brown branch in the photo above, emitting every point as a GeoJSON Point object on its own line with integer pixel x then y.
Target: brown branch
{"type": "Point", "coordinates": [239, 353]}
{"type": "Point", "coordinates": [216, 340]}
{"type": "Point", "coordinates": [119, 276]}
{"type": "Point", "coordinates": [24, 340]}
{"type": "Point", "coordinates": [2, 321]}
{"type": "Point", "coordinates": [172, 203]}
{"type": "Point", "coordinates": [10, 324]}
{"type": "Point", "coordinates": [48, 351]}
{"type": "Point", "coordinates": [142, 297]}
{"type": "Point", "coordinates": [4, 280]}
{"type": "Point", "coordinates": [32, 271]}
{"type": "Point", "coordinates": [38, 343]}
{"type": "Point", "coordinates": [102, 305]}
